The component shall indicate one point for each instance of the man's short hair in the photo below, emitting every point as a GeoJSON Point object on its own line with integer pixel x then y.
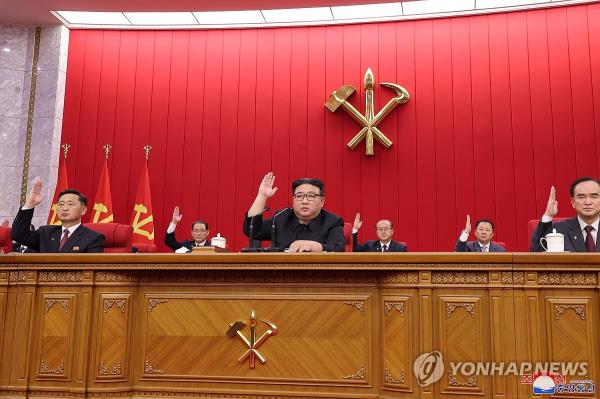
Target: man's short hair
{"type": "Point", "coordinates": [477, 223]}
{"type": "Point", "coordinates": [581, 180]}
{"type": "Point", "coordinates": [200, 222]}
{"type": "Point", "coordinates": [306, 180]}
{"type": "Point", "coordinates": [385, 220]}
{"type": "Point", "coordinates": [80, 196]}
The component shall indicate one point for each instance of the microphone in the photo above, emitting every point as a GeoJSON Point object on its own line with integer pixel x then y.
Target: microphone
{"type": "Point", "coordinates": [251, 235]}
{"type": "Point", "coordinates": [273, 248]}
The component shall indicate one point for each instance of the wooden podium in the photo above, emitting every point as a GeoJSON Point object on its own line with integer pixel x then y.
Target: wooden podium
{"type": "Point", "coordinates": [326, 325]}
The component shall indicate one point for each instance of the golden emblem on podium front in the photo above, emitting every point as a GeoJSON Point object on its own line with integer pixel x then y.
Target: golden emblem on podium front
{"type": "Point", "coordinates": [252, 344]}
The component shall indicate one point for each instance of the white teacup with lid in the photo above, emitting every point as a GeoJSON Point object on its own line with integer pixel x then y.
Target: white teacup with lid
{"type": "Point", "coordinates": [218, 241]}
{"type": "Point", "coordinates": [555, 242]}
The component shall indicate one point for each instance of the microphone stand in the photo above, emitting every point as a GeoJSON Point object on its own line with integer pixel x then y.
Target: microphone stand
{"type": "Point", "coordinates": [250, 248]}
{"type": "Point", "coordinates": [272, 247]}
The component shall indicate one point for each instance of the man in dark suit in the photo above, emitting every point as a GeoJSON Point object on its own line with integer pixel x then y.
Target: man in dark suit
{"type": "Point", "coordinates": [72, 236]}
{"type": "Point", "coordinates": [199, 234]}
{"type": "Point", "coordinates": [484, 232]}
{"type": "Point", "coordinates": [305, 228]}
{"type": "Point", "coordinates": [581, 232]}
{"type": "Point", "coordinates": [384, 230]}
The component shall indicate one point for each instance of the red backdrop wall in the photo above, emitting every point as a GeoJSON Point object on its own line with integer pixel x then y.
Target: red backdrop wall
{"type": "Point", "coordinates": [503, 106]}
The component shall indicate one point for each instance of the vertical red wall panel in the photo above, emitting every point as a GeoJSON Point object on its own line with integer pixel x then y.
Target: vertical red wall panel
{"type": "Point", "coordinates": [463, 124]}
{"type": "Point", "coordinates": [583, 109]}
{"type": "Point", "coordinates": [424, 98]}
{"type": "Point", "coordinates": [228, 135]}
{"type": "Point", "coordinates": [335, 144]}
{"type": "Point", "coordinates": [246, 121]}
{"type": "Point", "coordinates": [407, 225]}
{"type": "Point", "coordinates": [522, 146]}
{"type": "Point", "coordinates": [502, 131]}
{"type": "Point", "coordinates": [175, 176]}
{"type": "Point", "coordinates": [444, 134]}
{"type": "Point", "coordinates": [594, 41]}
{"type": "Point", "coordinates": [502, 107]}
{"type": "Point", "coordinates": [388, 160]}
{"type": "Point", "coordinates": [562, 105]}
{"type": "Point", "coordinates": [191, 201]}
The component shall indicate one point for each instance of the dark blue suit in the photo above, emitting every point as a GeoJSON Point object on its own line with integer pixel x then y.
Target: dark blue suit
{"type": "Point", "coordinates": [570, 228]}
{"type": "Point", "coordinates": [473, 246]}
{"type": "Point", "coordinates": [47, 238]}
{"type": "Point", "coordinates": [375, 245]}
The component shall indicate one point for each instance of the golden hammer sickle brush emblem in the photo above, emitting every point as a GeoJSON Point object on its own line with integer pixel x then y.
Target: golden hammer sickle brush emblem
{"type": "Point", "coordinates": [369, 121]}
{"type": "Point", "coordinates": [252, 344]}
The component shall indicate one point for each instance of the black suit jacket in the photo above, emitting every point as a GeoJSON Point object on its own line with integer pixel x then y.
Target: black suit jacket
{"type": "Point", "coordinates": [327, 229]}
{"type": "Point", "coordinates": [570, 228]}
{"type": "Point", "coordinates": [473, 246]}
{"type": "Point", "coordinates": [375, 245]}
{"type": "Point", "coordinates": [47, 238]}
{"type": "Point", "coordinates": [171, 242]}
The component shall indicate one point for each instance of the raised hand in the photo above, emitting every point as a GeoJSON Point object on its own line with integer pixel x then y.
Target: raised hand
{"type": "Point", "coordinates": [176, 216]}
{"type": "Point", "coordinates": [266, 188]}
{"type": "Point", "coordinates": [468, 225]}
{"type": "Point", "coordinates": [552, 206]}
{"type": "Point", "coordinates": [35, 195]}
{"type": "Point", "coordinates": [357, 222]}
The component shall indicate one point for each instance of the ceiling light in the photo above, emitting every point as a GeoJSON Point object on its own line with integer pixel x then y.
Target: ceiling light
{"type": "Point", "coordinates": [298, 15]}
{"type": "Point", "coordinates": [161, 18]}
{"type": "Point", "coordinates": [367, 11]}
{"type": "Point", "coordinates": [504, 3]}
{"type": "Point", "coordinates": [93, 18]}
{"type": "Point", "coordinates": [229, 17]}
{"type": "Point", "coordinates": [436, 6]}
{"type": "Point", "coordinates": [6, 49]}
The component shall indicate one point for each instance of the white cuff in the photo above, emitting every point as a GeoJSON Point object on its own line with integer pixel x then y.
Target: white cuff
{"type": "Point", "coordinates": [354, 231]}
{"type": "Point", "coordinates": [171, 228]}
{"type": "Point", "coordinates": [546, 218]}
{"type": "Point", "coordinates": [463, 236]}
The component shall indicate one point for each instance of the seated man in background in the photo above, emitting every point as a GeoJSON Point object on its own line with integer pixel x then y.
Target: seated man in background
{"type": "Point", "coordinates": [199, 234]}
{"type": "Point", "coordinates": [484, 232]}
{"type": "Point", "coordinates": [72, 236]}
{"type": "Point", "coordinates": [384, 230]}
{"type": "Point", "coordinates": [305, 228]}
{"type": "Point", "coordinates": [581, 232]}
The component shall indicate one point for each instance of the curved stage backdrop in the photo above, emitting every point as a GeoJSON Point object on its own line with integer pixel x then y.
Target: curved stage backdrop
{"type": "Point", "coordinates": [502, 107]}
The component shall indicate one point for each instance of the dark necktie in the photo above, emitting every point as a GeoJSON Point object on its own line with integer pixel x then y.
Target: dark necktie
{"type": "Point", "coordinates": [64, 239]}
{"type": "Point", "coordinates": [384, 248]}
{"type": "Point", "coordinates": [589, 240]}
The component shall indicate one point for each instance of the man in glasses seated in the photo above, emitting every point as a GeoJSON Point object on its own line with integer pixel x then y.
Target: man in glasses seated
{"type": "Point", "coordinates": [199, 234]}
{"type": "Point", "coordinates": [384, 230]}
{"type": "Point", "coordinates": [306, 227]}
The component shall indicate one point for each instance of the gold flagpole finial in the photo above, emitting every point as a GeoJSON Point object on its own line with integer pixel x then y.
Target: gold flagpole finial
{"type": "Point", "coordinates": [107, 148]}
{"type": "Point", "coordinates": [66, 147]}
{"type": "Point", "coordinates": [147, 149]}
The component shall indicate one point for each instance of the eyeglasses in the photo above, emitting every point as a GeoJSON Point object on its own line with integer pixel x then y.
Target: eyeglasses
{"type": "Point", "coordinates": [199, 231]}
{"type": "Point", "coordinates": [310, 197]}
{"type": "Point", "coordinates": [383, 229]}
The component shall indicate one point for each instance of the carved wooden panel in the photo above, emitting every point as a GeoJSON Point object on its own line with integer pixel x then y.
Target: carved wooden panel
{"type": "Point", "coordinates": [113, 329]}
{"type": "Point", "coordinates": [462, 339]}
{"type": "Point", "coordinates": [398, 342]}
{"type": "Point", "coordinates": [320, 338]}
{"type": "Point", "coordinates": [572, 331]}
{"type": "Point", "coordinates": [56, 331]}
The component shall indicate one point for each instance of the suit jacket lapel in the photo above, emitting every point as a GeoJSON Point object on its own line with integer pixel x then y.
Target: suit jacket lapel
{"type": "Point", "coordinates": [55, 239]}
{"type": "Point", "coordinates": [576, 236]}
